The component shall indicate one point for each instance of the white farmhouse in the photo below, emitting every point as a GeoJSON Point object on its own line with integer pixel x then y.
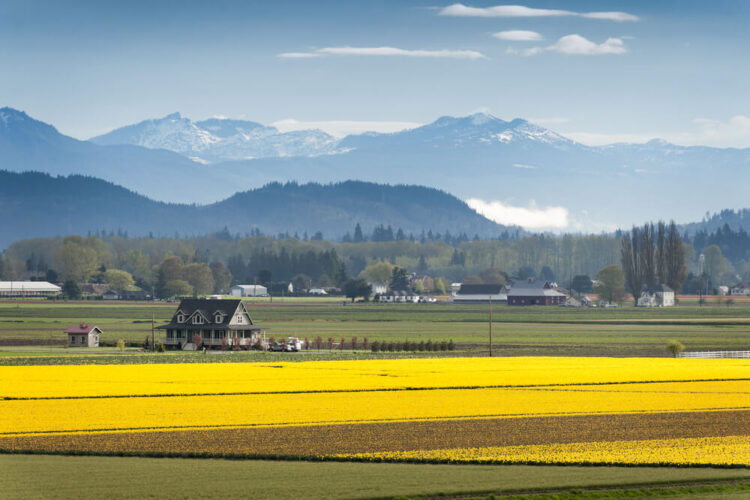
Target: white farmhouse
{"type": "Point", "coordinates": [657, 296]}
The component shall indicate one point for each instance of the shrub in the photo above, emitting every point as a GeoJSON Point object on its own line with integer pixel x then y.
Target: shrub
{"type": "Point", "coordinates": [354, 343]}
{"type": "Point", "coordinates": [443, 345]}
{"type": "Point", "coordinates": [376, 346]}
{"type": "Point", "coordinates": [428, 346]}
{"type": "Point", "coordinates": [674, 347]}
{"type": "Point", "coordinates": [451, 345]}
{"type": "Point", "coordinates": [161, 347]}
{"type": "Point", "coordinates": [146, 344]}
{"type": "Point", "coordinates": [121, 345]}
{"type": "Point", "coordinates": [391, 347]}
{"type": "Point", "coordinates": [364, 343]}
{"type": "Point", "coordinates": [420, 346]}
{"type": "Point", "coordinates": [341, 344]}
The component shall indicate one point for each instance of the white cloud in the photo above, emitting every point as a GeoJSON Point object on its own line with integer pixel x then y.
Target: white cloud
{"type": "Point", "coordinates": [578, 45]}
{"type": "Point", "coordinates": [531, 217]}
{"type": "Point", "coordinates": [385, 51]}
{"type": "Point", "coordinates": [734, 133]}
{"type": "Point", "coordinates": [298, 55]}
{"type": "Point", "coordinates": [461, 10]}
{"type": "Point", "coordinates": [342, 128]}
{"type": "Point", "coordinates": [522, 165]}
{"type": "Point", "coordinates": [518, 36]}
{"type": "Point", "coordinates": [575, 45]}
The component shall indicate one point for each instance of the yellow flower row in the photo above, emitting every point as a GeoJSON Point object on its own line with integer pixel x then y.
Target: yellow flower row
{"type": "Point", "coordinates": [731, 450]}
{"type": "Point", "coordinates": [29, 416]}
{"type": "Point", "coordinates": [216, 378]}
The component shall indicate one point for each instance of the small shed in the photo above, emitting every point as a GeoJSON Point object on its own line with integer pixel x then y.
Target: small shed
{"type": "Point", "coordinates": [83, 335]}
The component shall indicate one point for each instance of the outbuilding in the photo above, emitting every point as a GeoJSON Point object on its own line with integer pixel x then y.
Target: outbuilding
{"type": "Point", "coordinates": [83, 335]}
{"type": "Point", "coordinates": [28, 289]}
{"type": "Point", "coordinates": [530, 292]}
{"type": "Point", "coordinates": [248, 291]}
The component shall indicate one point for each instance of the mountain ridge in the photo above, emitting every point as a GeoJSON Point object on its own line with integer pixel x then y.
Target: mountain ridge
{"type": "Point", "coordinates": [480, 156]}
{"type": "Point", "coordinates": [36, 204]}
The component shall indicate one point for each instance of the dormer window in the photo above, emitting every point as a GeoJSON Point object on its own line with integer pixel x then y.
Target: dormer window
{"type": "Point", "coordinates": [180, 318]}
{"type": "Point", "coordinates": [198, 319]}
{"type": "Point", "coordinates": [218, 318]}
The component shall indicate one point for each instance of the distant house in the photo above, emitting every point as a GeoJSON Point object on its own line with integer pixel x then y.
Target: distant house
{"type": "Point", "coordinates": [657, 296]}
{"type": "Point", "coordinates": [378, 288]}
{"type": "Point", "coordinates": [83, 335]}
{"type": "Point", "coordinates": [218, 322]}
{"type": "Point", "coordinates": [28, 289]}
{"type": "Point", "coordinates": [531, 292]}
{"type": "Point", "coordinates": [248, 291]}
{"type": "Point", "coordinates": [317, 291]}
{"type": "Point", "coordinates": [126, 295]}
{"type": "Point", "coordinates": [399, 296]}
{"type": "Point", "coordinates": [578, 301]}
{"type": "Point", "coordinates": [480, 293]}
{"type": "Point", "coordinates": [741, 289]}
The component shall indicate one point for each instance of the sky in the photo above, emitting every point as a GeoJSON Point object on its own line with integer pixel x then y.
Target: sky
{"type": "Point", "coordinates": [597, 72]}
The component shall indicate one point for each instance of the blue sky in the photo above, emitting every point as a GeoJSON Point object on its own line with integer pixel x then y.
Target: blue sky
{"type": "Point", "coordinates": [672, 69]}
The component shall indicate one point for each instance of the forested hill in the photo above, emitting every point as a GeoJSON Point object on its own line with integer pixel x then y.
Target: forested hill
{"type": "Point", "coordinates": [734, 219]}
{"type": "Point", "coordinates": [35, 205]}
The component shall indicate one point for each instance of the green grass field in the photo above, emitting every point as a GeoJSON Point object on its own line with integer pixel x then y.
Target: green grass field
{"type": "Point", "coordinates": [44, 476]}
{"type": "Point", "coordinates": [625, 331]}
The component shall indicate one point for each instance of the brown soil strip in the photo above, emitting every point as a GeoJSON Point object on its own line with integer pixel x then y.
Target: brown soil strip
{"type": "Point", "coordinates": [396, 436]}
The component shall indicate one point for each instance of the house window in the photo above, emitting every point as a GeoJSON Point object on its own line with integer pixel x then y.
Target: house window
{"type": "Point", "coordinates": [219, 334]}
{"type": "Point", "coordinates": [217, 318]}
{"type": "Point", "coordinates": [198, 319]}
{"type": "Point", "coordinates": [83, 340]}
{"type": "Point", "coordinates": [180, 318]}
{"type": "Point", "coordinates": [239, 318]}
{"type": "Point", "coordinates": [72, 340]}
{"type": "Point", "coordinates": [170, 334]}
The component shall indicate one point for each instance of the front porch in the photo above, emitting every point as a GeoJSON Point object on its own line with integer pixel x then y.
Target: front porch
{"type": "Point", "coordinates": [211, 338]}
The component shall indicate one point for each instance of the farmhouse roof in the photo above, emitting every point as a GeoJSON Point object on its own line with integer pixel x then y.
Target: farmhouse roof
{"type": "Point", "coordinates": [208, 309]}
{"type": "Point", "coordinates": [659, 289]}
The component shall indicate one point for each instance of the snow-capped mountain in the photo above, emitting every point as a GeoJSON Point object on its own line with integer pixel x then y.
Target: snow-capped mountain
{"type": "Point", "coordinates": [218, 139]}
{"type": "Point", "coordinates": [477, 130]}
{"type": "Point", "coordinates": [477, 156]}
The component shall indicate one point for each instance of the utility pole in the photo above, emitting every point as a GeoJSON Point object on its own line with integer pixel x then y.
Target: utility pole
{"type": "Point", "coordinates": [153, 344]}
{"type": "Point", "coordinates": [490, 297]}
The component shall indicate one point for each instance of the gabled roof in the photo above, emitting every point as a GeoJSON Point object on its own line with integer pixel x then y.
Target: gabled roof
{"type": "Point", "coordinates": [659, 288]}
{"type": "Point", "coordinates": [82, 329]}
{"type": "Point", "coordinates": [208, 308]}
{"type": "Point", "coordinates": [531, 284]}
{"type": "Point", "coordinates": [480, 289]}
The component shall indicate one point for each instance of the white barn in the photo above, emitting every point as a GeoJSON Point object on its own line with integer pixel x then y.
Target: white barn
{"type": "Point", "coordinates": [248, 291]}
{"type": "Point", "coordinates": [28, 289]}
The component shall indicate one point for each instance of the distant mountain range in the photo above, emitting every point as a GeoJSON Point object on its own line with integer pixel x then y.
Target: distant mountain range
{"type": "Point", "coordinates": [36, 205]}
{"type": "Point", "coordinates": [479, 156]}
{"type": "Point", "coordinates": [215, 140]}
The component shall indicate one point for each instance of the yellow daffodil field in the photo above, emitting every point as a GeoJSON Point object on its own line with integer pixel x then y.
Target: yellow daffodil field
{"type": "Point", "coordinates": [627, 411]}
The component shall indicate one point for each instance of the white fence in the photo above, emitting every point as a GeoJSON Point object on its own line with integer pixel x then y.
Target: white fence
{"type": "Point", "coordinates": [715, 354]}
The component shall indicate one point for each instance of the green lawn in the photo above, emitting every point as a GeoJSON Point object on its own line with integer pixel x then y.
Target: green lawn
{"type": "Point", "coordinates": [45, 476]}
{"type": "Point", "coordinates": [550, 330]}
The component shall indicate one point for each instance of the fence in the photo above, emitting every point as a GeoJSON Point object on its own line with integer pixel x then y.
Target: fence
{"type": "Point", "coordinates": [715, 354]}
